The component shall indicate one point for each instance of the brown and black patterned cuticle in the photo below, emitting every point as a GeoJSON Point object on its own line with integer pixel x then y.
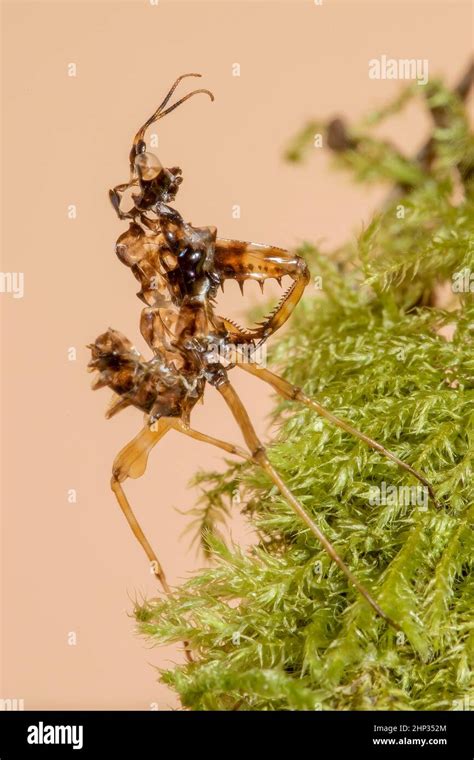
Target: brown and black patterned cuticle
{"type": "Point", "coordinates": [179, 267]}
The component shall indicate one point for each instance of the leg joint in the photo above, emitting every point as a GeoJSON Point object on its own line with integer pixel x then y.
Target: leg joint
{"type": "Point", "coordinates": [259, 452]}
{"type": "Point", "coordinates": [291, 392]}
{"type": "Point", "coordinates": [295, 392]}
{"type": "Point", "coordinates": [117, 477]}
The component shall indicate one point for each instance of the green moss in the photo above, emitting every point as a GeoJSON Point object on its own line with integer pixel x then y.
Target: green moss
{"type": "Point", "coordinates": [279, 627]}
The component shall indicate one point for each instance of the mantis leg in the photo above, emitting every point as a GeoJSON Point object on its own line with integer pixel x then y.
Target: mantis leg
{"type": "Point", "coordinates": [289, 391]}
{"type": "Point", "coordinates": [229, 447]}
{"type": "Point", "coordinates": [250, 261]}
{"type": "Point", "coordinates": [115, 196]}
{"type": "Point", "coordinates": [131, 463]}
{"type": "Point", "coordinates": [259, 456]}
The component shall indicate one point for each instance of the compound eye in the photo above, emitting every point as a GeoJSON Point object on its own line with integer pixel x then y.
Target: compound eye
{"type": "Point", "coordinates": [148, 166]}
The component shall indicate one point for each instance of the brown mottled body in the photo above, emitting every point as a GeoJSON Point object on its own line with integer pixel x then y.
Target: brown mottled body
{"type": "Point", "coordinates": [179, 269]}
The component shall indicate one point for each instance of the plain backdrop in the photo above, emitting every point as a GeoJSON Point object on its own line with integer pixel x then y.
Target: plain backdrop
{"type": "Point", "coordinates": [74, 568]}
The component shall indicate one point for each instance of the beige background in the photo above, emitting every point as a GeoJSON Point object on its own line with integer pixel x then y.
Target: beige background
{"type": "Point", "coordinates": [76, 567]}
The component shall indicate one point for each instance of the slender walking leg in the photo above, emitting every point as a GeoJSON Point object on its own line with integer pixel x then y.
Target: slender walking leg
{"type": "Point", "coordinates": [289, 391]}
{"type": "Point", "coordinates": [229, 447]}
{"type": "Point", "coordinates": [131, 463]}
{"type": "Point", "coordinates": [259, 457]}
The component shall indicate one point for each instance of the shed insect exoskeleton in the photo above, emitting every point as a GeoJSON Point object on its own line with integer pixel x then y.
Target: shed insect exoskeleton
{"type": "Point", "coordinates": [179, 268]}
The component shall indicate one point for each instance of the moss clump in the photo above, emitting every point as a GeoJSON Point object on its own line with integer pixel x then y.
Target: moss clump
{"type": "Point", "coordinates": [279, 627]}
